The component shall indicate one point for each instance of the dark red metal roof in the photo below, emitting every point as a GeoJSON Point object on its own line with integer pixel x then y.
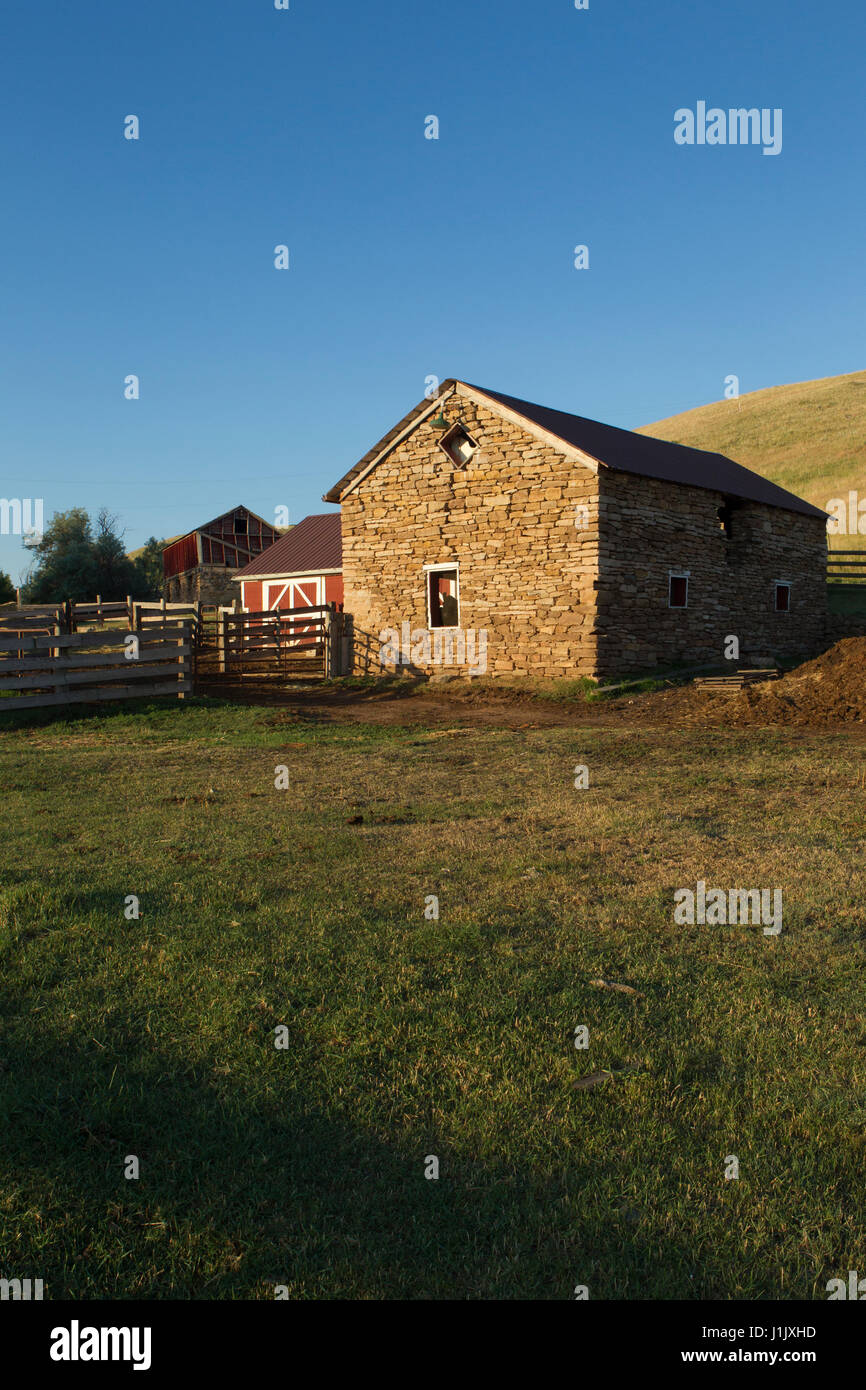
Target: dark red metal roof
{"type": "Point", "coordinates": [311, 547]}
{"type": "Point", "coordinates": [627, 452]}
{"type": "Point", "coordinates": [615, 448]}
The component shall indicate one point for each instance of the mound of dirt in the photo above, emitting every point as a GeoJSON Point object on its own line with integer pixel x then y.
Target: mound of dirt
{"type": "Point", "coordinates": [831, 689]}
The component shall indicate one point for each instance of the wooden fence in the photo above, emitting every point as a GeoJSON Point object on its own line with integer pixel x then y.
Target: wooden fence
{"type": "Point", "coordinates": [339, 651]}
{"type": "Point", "coordinates": [846, 565]}
{"type": "Point", "coordinates": [74, 616]}
{"type": "Point", "coordinates": [283, 642]}
{"type": "Point", "coordinates": [66, 668]}
{"type": "Point", "coordinates": [223, 642]}
{"type": "Point", "coordinates": [160, 612]}
{"type": "Point", "coordinates": [99, 611]}
{"type": "Point", "coordinates": [276, 642]}
{"type": "Point", "coordinates": [34, 618]}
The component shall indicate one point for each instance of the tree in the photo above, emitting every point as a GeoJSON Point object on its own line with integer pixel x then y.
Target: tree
{"type": "Point", "coordinates": [7, 588]}
{"type": "Point", "coordinates": [149, 562]}
{"type": "Point", "coordinates": [116, 574]}
{"type": "Point", "coordinates": [63, 564]}
{"type": "Point", "coordinates": [73, 562]}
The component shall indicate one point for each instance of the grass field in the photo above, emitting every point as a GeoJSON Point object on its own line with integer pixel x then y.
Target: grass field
{"type": "Point", "coordinates": [409, 1037]}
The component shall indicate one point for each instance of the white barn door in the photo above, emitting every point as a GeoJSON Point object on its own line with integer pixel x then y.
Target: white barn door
{"type": "Point", "coordinates": [294, 593]}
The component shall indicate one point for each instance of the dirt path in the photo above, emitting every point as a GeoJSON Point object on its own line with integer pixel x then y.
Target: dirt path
{"type": "Point", "coordinates": [825, 694]}
{"type": "Point", "coordinates": [680, 707]}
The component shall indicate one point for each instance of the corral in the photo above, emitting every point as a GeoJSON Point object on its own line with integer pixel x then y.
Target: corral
{"type": "Point", "coordinates": [90, 652]}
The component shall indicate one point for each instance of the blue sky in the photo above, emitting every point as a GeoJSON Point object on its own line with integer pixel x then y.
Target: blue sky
{"type": "Point", "coordinates": [409, 257]}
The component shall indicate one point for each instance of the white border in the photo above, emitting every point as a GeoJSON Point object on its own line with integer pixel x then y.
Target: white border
{"type": "Point", "coordinates": [438, 569]}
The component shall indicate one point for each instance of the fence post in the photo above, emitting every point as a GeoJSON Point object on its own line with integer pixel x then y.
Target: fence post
{"type": "Point", "coordinates": [130, 612]}
{"type": "Point", "coordinates": [99, 609]}
{"type": "Point", "coordinates": [348, 645]}
{"type": "Point", "coordinates": [333, 633]}
{"type": "Point", "coordinates": [222, 636]}
{"type": "Point", "coordinates": [184, 657]}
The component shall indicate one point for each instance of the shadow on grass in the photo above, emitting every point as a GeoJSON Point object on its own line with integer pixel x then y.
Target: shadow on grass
{"type": "Point", "coordinates": [238, 1194]}
{"type": "Point", "coordinates": [85, 714]}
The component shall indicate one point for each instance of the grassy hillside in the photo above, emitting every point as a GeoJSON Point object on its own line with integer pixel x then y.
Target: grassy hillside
{"type": "Point", "coordinates": [809, 437]}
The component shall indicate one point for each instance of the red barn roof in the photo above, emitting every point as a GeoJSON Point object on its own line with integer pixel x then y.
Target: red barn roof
{"type": "Point", "coordinates": [314, 546]}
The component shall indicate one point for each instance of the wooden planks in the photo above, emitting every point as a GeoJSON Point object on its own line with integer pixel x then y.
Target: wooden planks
{"type": "Point", "coordinates": [89, 667]}
{"type": "Point", "coordinates": [738, 679]}
{"type": "Point", "coordinates": [45, 641]}
{"type": "Point", "coordinates": [270, 640]}
{"type": "Point", "coordinates": [96, 696]}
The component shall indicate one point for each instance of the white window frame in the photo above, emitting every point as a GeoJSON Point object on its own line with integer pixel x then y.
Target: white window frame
{"type": "Point", "coordinates": [458, 424]}
{"type": "Point", "coordinates": [679, 574]}
{"type": "Point", "coordinates": [439, 569]}
{"type": "Point", "coordinates": [786, 584]}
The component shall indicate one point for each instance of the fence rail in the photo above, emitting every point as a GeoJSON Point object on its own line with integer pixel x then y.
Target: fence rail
{"type": "Point", "coordinates": [89, 667]}
{"type": "Point", "coordinates": [33, 618]}
{"type": "Point", "coordinates": [276, 642]}
{"type": "Point", "coordinates": [846, 564]}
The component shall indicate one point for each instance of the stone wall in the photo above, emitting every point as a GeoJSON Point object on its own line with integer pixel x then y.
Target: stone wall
{"type": "Point", "coordinates": [649, 528]}
{"type": "Point", "coordinates": [566, 567]}
{"type": "Point", "coordinates": [526, 569]}
{"type": "Point", "coordinates": [205, 583]}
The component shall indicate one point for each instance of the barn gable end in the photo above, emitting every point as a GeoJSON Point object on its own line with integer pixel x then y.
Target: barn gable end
{"type": "Point", "coordinates": [519, 521]}
{"type": "Point", "coordinates": [200, 565]}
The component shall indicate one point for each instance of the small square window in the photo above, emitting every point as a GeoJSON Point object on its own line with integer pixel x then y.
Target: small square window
{"type": "Point", "coordinates": [458, 445]}
{"type": "Point", "coordinates": [443, 603]}
{"type": "Point", "coordinates": [783, 598]}
{"type": "Point", "coordinates": [240, 525]}
{"type": "Point", "coordinates": [678, 591]}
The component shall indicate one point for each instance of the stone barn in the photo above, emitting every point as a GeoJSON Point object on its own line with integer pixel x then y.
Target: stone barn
{"type": "Point", "coordinates": [201, 564]}
{"type": "Point", "coordinates": [573, 547]}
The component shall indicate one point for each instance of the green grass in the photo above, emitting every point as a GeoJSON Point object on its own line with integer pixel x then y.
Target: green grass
{"type": "Point", "coordinates": [808, 437]}
{"type": "Point", "coordinates": [410, 1037]}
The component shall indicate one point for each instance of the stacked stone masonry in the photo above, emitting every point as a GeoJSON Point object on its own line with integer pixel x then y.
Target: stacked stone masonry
{"type": "Point", "coordinates": [204, 584]}
{"type": "Point", "coordinates": [566, 564]}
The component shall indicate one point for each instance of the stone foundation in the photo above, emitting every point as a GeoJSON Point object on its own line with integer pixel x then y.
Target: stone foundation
{"type": "Point", "coordinates": [205, 583]}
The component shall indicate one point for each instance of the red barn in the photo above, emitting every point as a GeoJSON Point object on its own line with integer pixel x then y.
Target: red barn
{"type": "Point", "coordinates": [201, 564]}
{"type": "Point", "coordinates": [303, 569]}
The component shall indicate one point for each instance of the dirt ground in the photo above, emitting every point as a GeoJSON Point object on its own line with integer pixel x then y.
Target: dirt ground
{"type": "Point", "coordinates": [826, 693]}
